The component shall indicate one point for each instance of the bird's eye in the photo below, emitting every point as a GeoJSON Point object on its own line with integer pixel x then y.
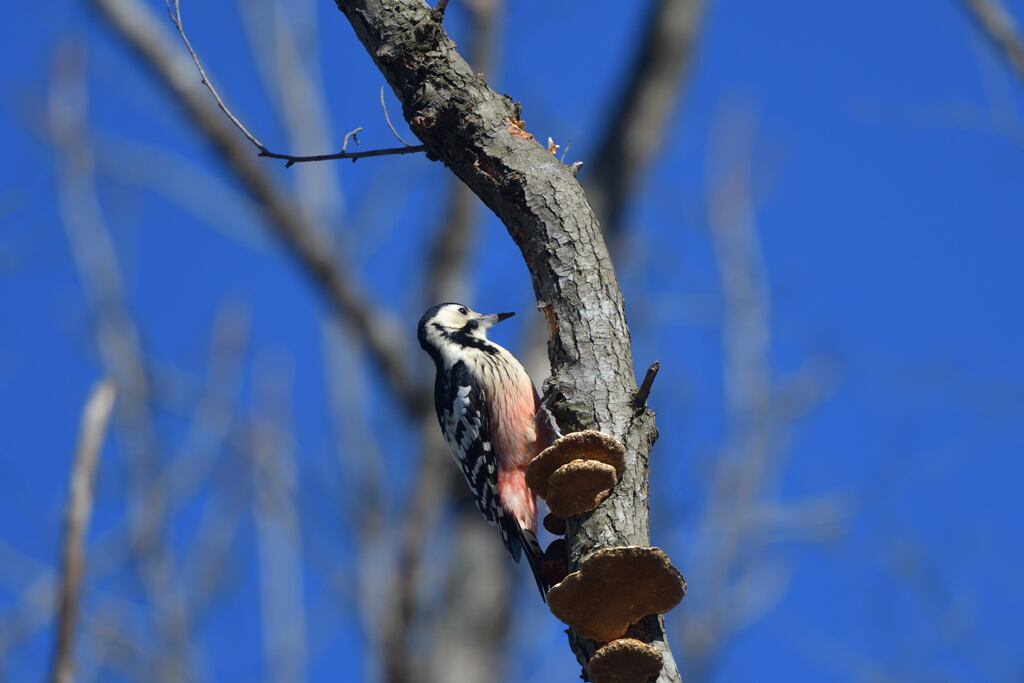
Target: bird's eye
{"type": "Point", "coordinates": [463, 311]}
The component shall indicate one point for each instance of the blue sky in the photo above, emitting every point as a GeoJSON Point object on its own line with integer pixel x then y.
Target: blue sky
{"type": "Point", "coordinates": [887, 166]}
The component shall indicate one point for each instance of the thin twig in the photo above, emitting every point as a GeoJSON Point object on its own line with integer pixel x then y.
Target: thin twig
{"type": "Point", "coordinates": [351, 135]}
{"type": "Point", "coordinates": [93, 429]}
{"type": "Point", "coordinates": [441, 6]}
{"type": "Point", "coordinates": [1000, 29]}
{"type": "Point", "coordinates": [640, 400]}
{"type": "Point", "coordinates": [291, 159]}
{"type": "Point", "coordinates": [174, 11]}
{"type": "Point", "coordinates": [139, 28]}
{"type": "Point", "coordinates": [283, 37]}
{"type": "Point", "coordinates": [388, 118]}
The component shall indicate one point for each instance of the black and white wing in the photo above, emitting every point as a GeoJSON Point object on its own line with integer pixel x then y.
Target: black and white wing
{"type": "Point", "coordinates": [462, 410]}
{"type": "Point", "coordinates": [465, 424]}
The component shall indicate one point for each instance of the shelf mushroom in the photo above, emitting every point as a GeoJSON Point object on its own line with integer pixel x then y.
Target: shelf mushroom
{"type": "Point", "coordinates": [626, 660]}
{"type": "Point", "coordinates": [576, 473]}
{"type": "Point", "coordinates": [615, 588]}
{"type": "Point", "coordinates": [553, 563]}
{"type": "Point", "coordinates": [555, 525]}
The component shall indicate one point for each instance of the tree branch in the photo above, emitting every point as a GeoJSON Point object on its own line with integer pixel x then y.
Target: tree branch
{"type": "Point", "coordinates": [174, 11]}
{"type": "Point", "coordinates": [95, 418]}
{"type": "Point", "coordinates": [291, 159]}
{"type": "Point", "coordinates": [478, 134]}
{"type": "Point", "coordinates": [640, 400]}
{"type": "Point", "coordinates": [140, 30]}
{"type": "Point", "coordinates": [120, 347]}
{"type": "Point", "coordinates": [640, 110]}
{"type": "Point", "coordinates": [1000, 28]}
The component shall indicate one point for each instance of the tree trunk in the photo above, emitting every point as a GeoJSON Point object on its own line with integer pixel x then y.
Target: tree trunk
{"type": "Point", "coordinates": [478, 134]}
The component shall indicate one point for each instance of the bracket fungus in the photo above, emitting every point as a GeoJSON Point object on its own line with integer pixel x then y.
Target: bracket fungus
{"type": "Point", "coordinates": [553, 564]}
{"type": "Point", "coordinates": [554, 524]}
{"type": "Point", "coordinates": [615, 588]}
{"type": "Point", "coordinates": [577, 472]}
{"type": "Point", "coordinates": [626, 660]}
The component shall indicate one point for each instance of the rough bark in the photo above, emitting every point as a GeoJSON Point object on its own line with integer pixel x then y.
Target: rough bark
{"type": "Point", "coordinates": [477, 133]}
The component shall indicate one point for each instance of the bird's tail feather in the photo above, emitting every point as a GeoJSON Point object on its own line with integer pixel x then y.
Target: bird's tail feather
{"type": "Point", "coordinates": [534, 555]}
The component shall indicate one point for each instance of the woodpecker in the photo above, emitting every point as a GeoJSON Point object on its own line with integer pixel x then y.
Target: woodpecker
{"type": "Point", "coordinates": [492, 419]}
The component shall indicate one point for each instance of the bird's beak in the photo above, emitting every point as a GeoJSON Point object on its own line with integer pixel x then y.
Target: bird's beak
{"type": "Point", "coordinates": [491, 319]}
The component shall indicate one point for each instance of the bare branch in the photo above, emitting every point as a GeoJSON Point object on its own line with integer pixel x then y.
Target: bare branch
{"type": "Point", "coordinates": [640, 110]}
{"type": "Point", "coordinates": [1000, 28]}
{"type": "Point", "coordinates": [284, 42]}
{"type": "Point", "coordinates": [387, 118]}
{"type": "Point", "coordinates": [291, 159]}
{"type": "Point", "coordinates": [640, 401]}
{"type": "Point", "coordinates": [742, 513]}
{"type": "Point", "coordinates": [179, 482]}
{"type": "Point", "coordinates": [119, 344]}
{"type": "Point", "coordinates": [93, 429]}
{"type": "Point", "coordinates": [278, 529]}
{"type": "Point", "coordinates": [174, 11]}
{"type": "Point", "coordinates": [137, 26]}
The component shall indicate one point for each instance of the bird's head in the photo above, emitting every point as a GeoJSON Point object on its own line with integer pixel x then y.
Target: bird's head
{"type": "Point", "coordinates": [455, 324]}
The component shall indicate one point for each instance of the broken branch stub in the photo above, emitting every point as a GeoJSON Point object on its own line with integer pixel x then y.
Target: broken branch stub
{"type": "Point", "coordinates": [615, 588]}
{"type": "Point", "coordinates": [626, 660]}
{"type": "Point", "coordinates": [577, 472]}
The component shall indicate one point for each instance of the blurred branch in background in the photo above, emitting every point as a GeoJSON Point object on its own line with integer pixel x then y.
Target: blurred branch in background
{"type": "Point", "coordinates": [137, 26]}
{"type": "Point", "coordinates": [301, 101]}
{"type": "Point", "coordinates": [174, 10]}
{"type": "Point", "coordinates": [290, 69]}
{"type": "Point", "coordinates": [1001, 29]}
{"type": "Point", "coordinates": [640, 108]}
{"type": "Point", "coordinates": [181, 481]}
{"type": "Point", "coordinates": [278, 536]}
{"type": "Point", "coordinates": [119, 345]}
{"type": "Point", "coordinates": [744, 512]}
{"type": "Point", "coordinates": [92, 431]}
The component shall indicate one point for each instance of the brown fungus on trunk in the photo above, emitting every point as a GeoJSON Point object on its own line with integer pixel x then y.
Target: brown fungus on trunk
{"type": "Point", "coordinates": [554, 564]}
{"type": "Point", "coordinates": [626, 660]}
{"type": "Point", "coordinates": [554, 524]}
{"type": "Point", "coordinates": [576, 473]}
{"type": "Point", "coordinates": [615, 588]}
{"type": "Point", "coordinates": [579, 486]}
